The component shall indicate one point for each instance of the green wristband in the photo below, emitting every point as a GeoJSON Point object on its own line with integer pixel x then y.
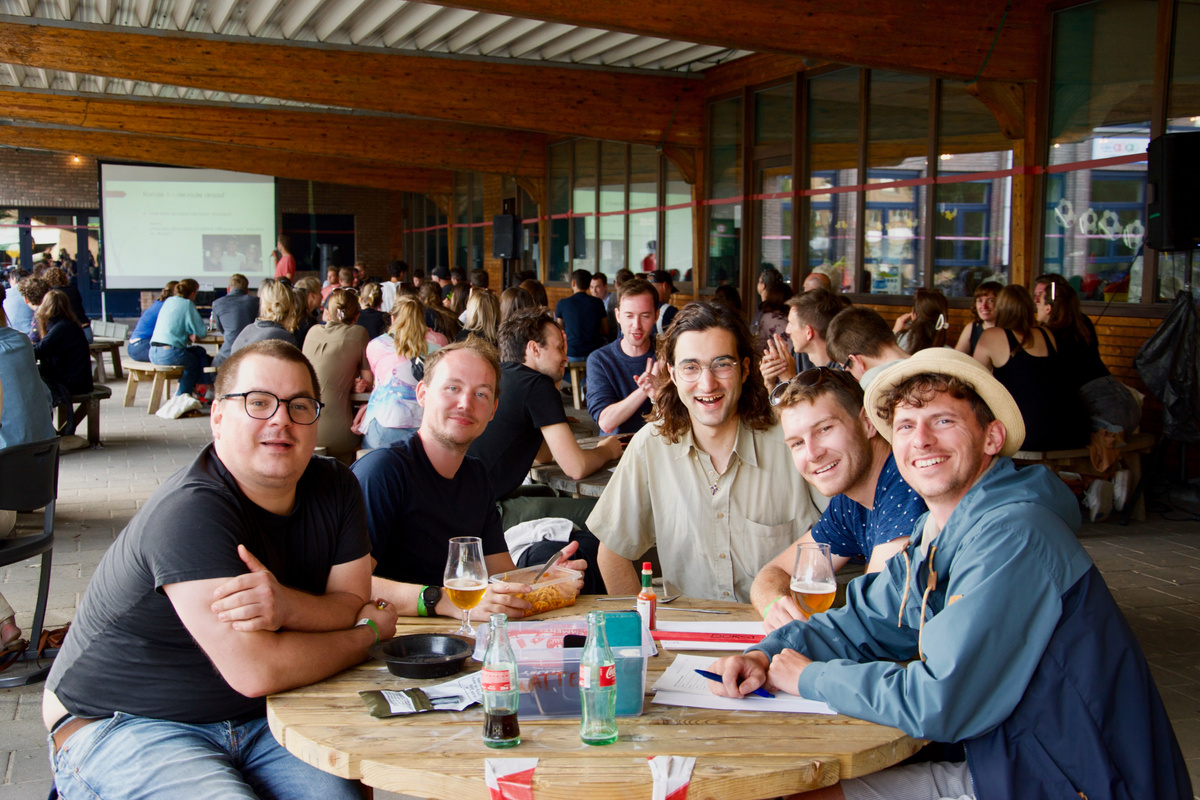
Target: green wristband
{"type": "Point", "coordinates": [364, 621]}
{"type": "Point", "coordinates": [422, 611]}
{"type": "Point", "coordinates": [767, 610]}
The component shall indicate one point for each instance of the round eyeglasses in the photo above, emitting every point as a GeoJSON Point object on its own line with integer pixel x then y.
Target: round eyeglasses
{"type": "Point", "coordinates": [263, 405]}
{"type": "Point", "coordinates": [721, 368]}
{"type": "Point", "coordinates": [815, 377]}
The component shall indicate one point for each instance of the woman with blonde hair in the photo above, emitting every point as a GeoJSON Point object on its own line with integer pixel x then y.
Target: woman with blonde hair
{"type": "Point", "coordinates": [338, 352]}
{"type": "Point", "coordinates": [371, 317]}
{"type": "Point", "coordinates": [482, 317]}
{"type": "Point", "coordinates": [277, 316]}
{"type": "Point", "coordinates": [396, 360]}
{"type": "Point", "coordinates": [456, 301]}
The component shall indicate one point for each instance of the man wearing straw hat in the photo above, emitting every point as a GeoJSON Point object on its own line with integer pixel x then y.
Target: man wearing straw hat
{"type": "Point", "coordinates": [1016, 649]}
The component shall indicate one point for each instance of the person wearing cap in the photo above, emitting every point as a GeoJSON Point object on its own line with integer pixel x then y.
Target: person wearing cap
{"type": "Point", "coordinates": [837, 450]}
{"type": "Point", "coordinates": [994, 630]}
{"type": "Point", "coordinates": [441, 276]}
{"type": "Point", "coordinates": [661, 279]}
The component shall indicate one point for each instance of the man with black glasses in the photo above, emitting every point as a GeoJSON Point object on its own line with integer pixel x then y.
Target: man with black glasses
{"type": "Point", "coordinates": [838, 451]}
{"type": "Point", "coordinates": [246, 573]}
{"type": "Point", "coordinates": [708, 479]}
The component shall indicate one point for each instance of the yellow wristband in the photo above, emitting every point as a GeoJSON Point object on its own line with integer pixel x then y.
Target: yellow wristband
{"type": "Point", "coordinates": [371, 623]}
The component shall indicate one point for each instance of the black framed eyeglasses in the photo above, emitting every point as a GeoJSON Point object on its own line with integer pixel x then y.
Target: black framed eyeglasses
{"type": "Point", "coordinates": [263, 405]}
{"type": "Point", "coordinates": [815, 377]}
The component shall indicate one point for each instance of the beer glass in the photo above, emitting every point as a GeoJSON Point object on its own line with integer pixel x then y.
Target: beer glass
{"type": "Point", "coordinates": [465, 579]}
{"type": "Point", "coordinates": [813, 585]}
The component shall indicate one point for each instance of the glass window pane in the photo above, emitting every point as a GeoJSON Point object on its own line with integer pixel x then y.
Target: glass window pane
{"type": "Point", "coordinates": [972, 219]}
{"type": "Point", "coordinates": [725, 169]}
{"type": "Point", "coordinates": [462, 216]}
{"type": "Point", "coordinates": [833, 112]}
{"type": "Point", "coordinates": [643, 193]}
{"type": "Point", "coordinates": [10, 240]}
{"type": "Point", "coordinates": [612, 198]}
{"type": "Point", "coordinates": [897, 143]}
{"type": "Point", "coordinates": [679, 251]}
{"type": "Point", "coordinates": [1101, 95]}
{"type": "Point", "coordinates": [560, 203]}
{"type": "Point", "coordinates": [476, 217]}
{"type": "Point", "coordinates": [773, 116]}
{"type": "Point", "coordinates": [583, 201]}
{"type": "Point", "coordinates": [775, 219]}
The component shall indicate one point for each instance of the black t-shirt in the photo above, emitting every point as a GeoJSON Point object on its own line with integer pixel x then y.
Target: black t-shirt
{"type": "Point", "coordinates": [582, 317]}
{"type": "Point", "coordinates": [529, 402]}
{"type": "Point", "coordinates": [413, 512]}
{"type": "Point", "coordinates": [128, 650]}
{"type": "Point", "coordinates": [375, 321]}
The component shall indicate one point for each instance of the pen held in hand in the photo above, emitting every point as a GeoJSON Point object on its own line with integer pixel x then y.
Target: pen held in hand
{"type": "Point", "coordinates": [712, 676]}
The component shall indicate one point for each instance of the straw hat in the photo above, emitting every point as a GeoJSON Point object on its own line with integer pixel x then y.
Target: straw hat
{"type": "Point", "coordinates": [949, 362]}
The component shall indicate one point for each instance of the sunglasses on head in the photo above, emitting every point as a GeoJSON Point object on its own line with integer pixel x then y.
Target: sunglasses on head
{"type": "Point", "coordinates": [815, 377]}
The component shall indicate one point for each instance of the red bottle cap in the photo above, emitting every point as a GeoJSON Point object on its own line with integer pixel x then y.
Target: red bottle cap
{"type": "Point", "coordinates": [646, 566]}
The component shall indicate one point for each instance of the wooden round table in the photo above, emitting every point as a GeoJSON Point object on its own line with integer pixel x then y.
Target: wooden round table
{"type": "Point", "coordinates": [740, 755]}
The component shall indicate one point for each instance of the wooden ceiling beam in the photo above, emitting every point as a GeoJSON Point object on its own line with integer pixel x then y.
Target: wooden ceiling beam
{"type": "Point", "coordinates": [160, 150]}
{"type": "Point", "coordinates": [562, 100]}
{"type": "Point", "coordinates": [444, 145]}
{"type": "Point", "coordinates": [947, 38]}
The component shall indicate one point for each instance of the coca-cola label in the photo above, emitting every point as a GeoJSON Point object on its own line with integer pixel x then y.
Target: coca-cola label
{"type": "Point", "coordinates": [496, 680]}
{"type": "Point", "coordinates": [607, 676]}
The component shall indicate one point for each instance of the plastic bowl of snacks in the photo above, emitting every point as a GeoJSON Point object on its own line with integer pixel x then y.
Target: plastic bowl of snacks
{"type": "Point", "coordinates": [558, 588]}
{"type": "Point", "coordinates": [423, 655]}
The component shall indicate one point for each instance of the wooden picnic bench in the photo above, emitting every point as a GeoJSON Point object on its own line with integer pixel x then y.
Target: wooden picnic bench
{"type": "Point", "coordinates": [84, 406]}
{"type": "Point", "coordinates": [159, 376]}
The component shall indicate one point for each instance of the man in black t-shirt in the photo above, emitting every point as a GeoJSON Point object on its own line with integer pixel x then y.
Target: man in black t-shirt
{"type": "Point", "coordinates": [243, 575]}
{"type": "Point", "coordinates": [424, 491]}
{"type": "Point", "coordinates": [530, 423]}
{"type": "Point", "coordinates": [582, 317]}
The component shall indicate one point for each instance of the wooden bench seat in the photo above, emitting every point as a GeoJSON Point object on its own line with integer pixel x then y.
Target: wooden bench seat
{"type": "Point", "coordinates": [1080, 461]}
{"type": "Point", "coordinates": [84, 406]}
{"type": "Point", "coordinates": [578, 371]}
{"type": "Point", "coordinates": [98, 349]}
{"type": "Point", "coordinates": [159, 376]}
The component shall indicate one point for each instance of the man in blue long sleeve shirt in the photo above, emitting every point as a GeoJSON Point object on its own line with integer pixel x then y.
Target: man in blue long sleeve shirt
{"type": "Point", "coordinates": [1015, 647]}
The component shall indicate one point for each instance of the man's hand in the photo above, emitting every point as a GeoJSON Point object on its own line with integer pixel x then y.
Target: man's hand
{"type": "Point", "coordinates": [777, 363]}
{"type": "Point", "coordinates": [646, 381]}
{"type": "Point", "coordinates": [784, 674]}
{"type": "Point", "coordinates": [781, 612]}
{"type": "Point", "coordinates": [742, 674]}
{"type": "Point", "coordinates": [254, 601]}
{"type": "Point", "coordinates": [384, 618]}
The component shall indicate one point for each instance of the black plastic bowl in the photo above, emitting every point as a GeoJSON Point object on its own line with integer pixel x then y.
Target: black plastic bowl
{"type": "Point", "coordinates": [424, 655]}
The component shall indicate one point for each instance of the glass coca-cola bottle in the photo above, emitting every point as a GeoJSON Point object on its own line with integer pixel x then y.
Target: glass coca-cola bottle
{"type": "Point", "coordinates": [598, 685]}
{"type": "Point", "coordinates": [500, 689]}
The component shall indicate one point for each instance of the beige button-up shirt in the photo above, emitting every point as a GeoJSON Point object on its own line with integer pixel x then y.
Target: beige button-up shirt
{"type": "Point", "coordinates": [714, 531]}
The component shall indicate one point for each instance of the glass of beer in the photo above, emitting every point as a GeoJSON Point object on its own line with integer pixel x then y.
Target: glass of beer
{"type": "Point", "coordinates": [465, 579]}
{"type": "Point", "coordinates": [813, 585]}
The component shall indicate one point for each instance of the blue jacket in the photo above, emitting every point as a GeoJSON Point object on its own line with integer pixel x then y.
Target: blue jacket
{"type": "Point", "coordinates": [1023, 655]}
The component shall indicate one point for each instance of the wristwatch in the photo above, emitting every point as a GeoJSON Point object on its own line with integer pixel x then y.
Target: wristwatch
{"type": "Point", "coordinates": [427, 600]}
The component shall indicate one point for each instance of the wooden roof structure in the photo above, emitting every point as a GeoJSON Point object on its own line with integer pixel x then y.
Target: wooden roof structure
{"type": "Point", "coordinates": [400, 94]}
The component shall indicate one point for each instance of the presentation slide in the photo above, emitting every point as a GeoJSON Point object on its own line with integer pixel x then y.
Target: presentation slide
{"type": "Point", "coordinates": [161, 224]}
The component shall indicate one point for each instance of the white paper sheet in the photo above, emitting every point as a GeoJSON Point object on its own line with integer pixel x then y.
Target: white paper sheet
{"type": "Point", "coordinates": [681, 686]}
{"type": "Point", "coordinates": [705, 626]}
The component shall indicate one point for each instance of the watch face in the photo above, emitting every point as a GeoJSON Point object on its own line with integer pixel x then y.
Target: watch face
{"type": "Point", "coordinates": [431, 595]}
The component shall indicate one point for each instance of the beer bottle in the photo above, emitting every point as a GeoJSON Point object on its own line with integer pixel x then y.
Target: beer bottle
{"type": "Point", "coordinates": [500, 689]}
{"type": "Point", "coordinates": [647, 601]}
{"type": "Point", "coordinates": [598, 685]}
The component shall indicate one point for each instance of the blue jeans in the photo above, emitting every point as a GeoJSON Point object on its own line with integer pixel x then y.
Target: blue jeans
{"type": "Point", "coordinates": [193, 359]}
{"type": "Point", "coordinates": [139, 350]}
{"type": "Point", "coordinates": [380, 436]}
{"type": "Point", "coordinates": [137, 757]}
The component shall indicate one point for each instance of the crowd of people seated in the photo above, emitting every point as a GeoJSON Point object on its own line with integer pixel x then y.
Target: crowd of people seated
{"type": "Point", "coordinates": [737, 444]}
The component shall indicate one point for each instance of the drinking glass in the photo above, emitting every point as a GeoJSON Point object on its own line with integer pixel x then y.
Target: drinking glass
{"type": "Point", "coordinates": [813, 584]}
{"type": "Point", "coordinates": [465, 579]}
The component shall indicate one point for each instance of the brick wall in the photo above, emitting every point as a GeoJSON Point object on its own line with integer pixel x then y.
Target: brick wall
{"type": "Point", "coordinates": [375, 216]}
{"type": "Point", "coordinates": [54, 180]}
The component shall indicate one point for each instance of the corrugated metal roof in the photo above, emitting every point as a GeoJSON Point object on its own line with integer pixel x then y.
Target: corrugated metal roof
{"type": "Point", "coordinates": [392, 25]}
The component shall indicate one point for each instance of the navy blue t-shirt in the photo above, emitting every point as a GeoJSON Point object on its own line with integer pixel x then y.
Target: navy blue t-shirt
{"type": "Point", "coordinates": [610, 379]}
{"type": "Point", "coordinates": [413, 512]}
{"type": "Point", "coordinates": [853, 532]}
{"type": "Point", "coordinates": [582, 317]}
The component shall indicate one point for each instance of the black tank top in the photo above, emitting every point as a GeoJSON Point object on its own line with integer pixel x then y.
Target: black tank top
{"type": "Point", "coordinates": [1055, 416]}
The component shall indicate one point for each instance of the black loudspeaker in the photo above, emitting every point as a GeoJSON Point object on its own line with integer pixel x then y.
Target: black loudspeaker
{"type": "Point", "coordinates": [1172, 203]}
{"type": "Point", "coordinates": [579, 240]}
{"type": "Point", "coordinates": [506, 236]}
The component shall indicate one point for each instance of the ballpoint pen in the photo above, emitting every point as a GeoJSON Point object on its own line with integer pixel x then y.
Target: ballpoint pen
{"type": "Point", "coordinates": [712, 676]}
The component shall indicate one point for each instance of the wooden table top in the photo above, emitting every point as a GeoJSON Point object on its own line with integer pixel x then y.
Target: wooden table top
{"type": "Point", "coordinates": [740, 755]}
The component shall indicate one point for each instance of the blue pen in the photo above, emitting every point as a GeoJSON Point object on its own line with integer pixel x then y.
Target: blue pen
{"type": "Point", "coordinates": [712, 676]}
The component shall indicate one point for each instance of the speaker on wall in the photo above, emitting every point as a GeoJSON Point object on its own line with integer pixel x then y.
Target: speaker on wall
{"type": "Point", "coordinates": [506, 236]}
{"type": "Point", "coordinates": [1172, 202]}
